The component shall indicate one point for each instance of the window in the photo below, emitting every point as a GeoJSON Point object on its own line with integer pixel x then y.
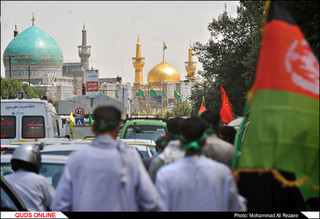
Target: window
{"type": "Point", "coordinates": [33, 127]}
{"type": "Point", "coordinates": [8, 127]}
{"type": "Point", "coordinates": [144, 132]}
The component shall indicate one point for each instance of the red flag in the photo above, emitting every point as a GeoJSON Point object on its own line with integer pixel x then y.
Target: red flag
{"type": "Point", "coordinates": [226, 111]}
{"type": "Point", "coordinates": [202, 107]}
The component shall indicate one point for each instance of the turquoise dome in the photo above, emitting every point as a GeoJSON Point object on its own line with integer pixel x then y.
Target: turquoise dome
{"type": "Point", "coordinates": [35, 44]}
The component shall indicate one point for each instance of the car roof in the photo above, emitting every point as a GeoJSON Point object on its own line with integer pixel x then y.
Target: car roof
{"type": "Point", "coordinates": [45, 158]}
{"type": "Point", "coordinates": [67, 147]}
{"type": "Point", "coordinates": [146, 122]}
{"type": "Point", "coordinates": [138, 141]}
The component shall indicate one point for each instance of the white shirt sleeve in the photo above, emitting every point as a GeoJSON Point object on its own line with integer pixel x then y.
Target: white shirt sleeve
{"type": "Point", "coordinates": [146, 191]}
{"type": "Point", "coordinates": [163, 190]}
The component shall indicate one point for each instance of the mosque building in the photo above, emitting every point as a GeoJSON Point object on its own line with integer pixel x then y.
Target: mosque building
{"type": "Point", "coordinates": [34, 57]}
{"type": "Point", "coordinates": [164, 85]}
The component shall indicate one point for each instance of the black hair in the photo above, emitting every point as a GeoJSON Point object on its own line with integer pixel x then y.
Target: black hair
{"type": "Point", "coordinates": [174, 126]}
{"type": "Point", "coordinates": [193, 128]}
{"type": "Point", "coordinates": [107, 118]}
{"type": "Point", "coordinates": [20, 164]}
{"type": "Point", "coordinates": [228, 134]}
{"type": "Point", "coordinates": [162, 141]}
{"type": "Point", "coordinates": [212, 117]}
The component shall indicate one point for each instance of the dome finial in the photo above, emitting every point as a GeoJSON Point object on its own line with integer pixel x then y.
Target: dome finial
{"type": "Point", "coordinates": [84, 26]}
{"type": "Point", "coordinates": [138, 38]}
{"type": "Point", "coordinates": [33, 19]}
{"type": "Point", "coordinates": [15, 32]}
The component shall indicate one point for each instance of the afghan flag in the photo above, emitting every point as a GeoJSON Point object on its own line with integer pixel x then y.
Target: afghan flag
{"type": "Point", "coordinates": [202, 107]}
{"type": "Point", "coordinates": [283, 133]}
{"type": "Point", "coordinates": [226, 110]}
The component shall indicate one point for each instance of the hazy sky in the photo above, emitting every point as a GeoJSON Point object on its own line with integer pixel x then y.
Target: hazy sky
{"type": "Point", "coordinates": [112, 29]}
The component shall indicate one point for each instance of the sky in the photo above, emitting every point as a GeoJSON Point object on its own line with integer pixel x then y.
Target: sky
{"type": "Point", "coordinates": [112, 29]}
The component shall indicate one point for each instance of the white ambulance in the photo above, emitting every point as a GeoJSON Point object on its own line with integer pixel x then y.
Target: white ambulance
{"type": "Point", "coordinates": [28, 120]}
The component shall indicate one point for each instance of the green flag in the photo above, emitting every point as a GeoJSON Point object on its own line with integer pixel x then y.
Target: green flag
{"type": "Point", "coordinates": [117, 95]}
{"type": "Point", "coordinates": [153, 93]}
{"type": "Point", "coordinates": [283, 133]}
{"type": "Point", "coordinates": [164, 46]}
{"type": "Point", "coordinates": [164, 94]}
{"type": "Point", "coordinates": [141, 93]}
{"type": "Point", "coordinates": [90, 120]}
{"type": "Point", "coordinates": [176, 95]}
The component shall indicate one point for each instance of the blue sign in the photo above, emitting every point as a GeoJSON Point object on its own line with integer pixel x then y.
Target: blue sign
{"type": "Point", "coordinates": [79, 121]}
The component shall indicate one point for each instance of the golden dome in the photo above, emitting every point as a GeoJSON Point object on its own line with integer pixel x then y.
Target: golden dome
{"type": "Point", "coordinates": [163, 72]}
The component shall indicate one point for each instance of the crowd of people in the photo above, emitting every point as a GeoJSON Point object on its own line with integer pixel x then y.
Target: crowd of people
{"type": "Point", "coordinates": [191, 172]}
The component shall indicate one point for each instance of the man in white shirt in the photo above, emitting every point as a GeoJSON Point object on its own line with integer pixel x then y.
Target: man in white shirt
{"type": "Point", "coordinates": [172, 151]}
{"type": "Point", "coordinates": [106, 176]}
{"type": "Point", "coordinates": [197, 183]}
{"type": "Point", "coordinates": [35, 190]}
{"type": "Point", "coordinates": [216, 148]}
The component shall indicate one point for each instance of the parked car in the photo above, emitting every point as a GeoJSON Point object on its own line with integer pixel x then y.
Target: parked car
{"type": "Point", "coordinates": [52, 166]}
{"type": "Point", "coordinates": [7, 149]}
{"type": "Point", "coordinates": [143, 129]}
{"type": "Point", "coordinates": [64, 149]}
{"type": "Point", "coordinates": [142, 142]}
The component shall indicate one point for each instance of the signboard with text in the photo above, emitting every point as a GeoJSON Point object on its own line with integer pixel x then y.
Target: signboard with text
{"type": "Point", "coordinates": [92, 84]}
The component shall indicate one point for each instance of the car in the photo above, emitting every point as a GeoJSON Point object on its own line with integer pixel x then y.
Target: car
{"type": "Point", "coordinates": [8, 149]}
{"type": "Point", "coordinates": [142, 142]}
{"type": "Point", "coordinates": [63, 149]}
{"type": "Point", "coordinates": [236, 123]}
{"type": "Point", "coordinates": [10, 200]}
{"type": "Point", "coordinates": [143, 129]}
{"type": "Point", "coordinates": [52, 166]}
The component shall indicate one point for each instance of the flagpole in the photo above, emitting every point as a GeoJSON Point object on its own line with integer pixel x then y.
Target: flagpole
{"type": "Point", "coordinates": [163, 51]}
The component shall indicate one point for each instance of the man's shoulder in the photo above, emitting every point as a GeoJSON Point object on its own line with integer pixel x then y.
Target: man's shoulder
{"type": "Point", "coordinates": [215, 140]}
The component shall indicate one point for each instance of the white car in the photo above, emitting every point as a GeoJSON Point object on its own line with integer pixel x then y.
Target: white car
{"type": "Point", "coordinates": [52, 166]}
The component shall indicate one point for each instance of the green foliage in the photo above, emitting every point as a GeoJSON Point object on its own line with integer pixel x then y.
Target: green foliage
{"type": "Point", "coordinates": [306, 14]}
{"type": "Point", "coordinates": [230, 57]}
{"type": "Point", "coordinates": [181, 109]}
{"type": "Point", "coordinates": [13, 87]}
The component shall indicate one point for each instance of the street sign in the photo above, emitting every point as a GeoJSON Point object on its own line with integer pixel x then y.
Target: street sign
{"type": "Point", "coordinates": [92, 84]}
{"type": "Point", "coordinates": [79, 121]}
{"type": "Point", "coordinates": [79, 112]}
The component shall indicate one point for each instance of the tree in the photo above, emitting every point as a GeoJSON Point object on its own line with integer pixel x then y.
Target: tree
{"type": "Point", "coordinates": [13, 87]}
{"type": "Point", "coordinates": [181, 109]}
{"type": "Point", "coordinates": [229, 56]}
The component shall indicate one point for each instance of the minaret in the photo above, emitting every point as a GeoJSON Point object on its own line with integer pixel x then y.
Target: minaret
{"type": "Point", "coordinates": [84, 53]}
{"type": "Point", "coordinates": [15, 32]}
{"type": "Point", "coordinates": [138, 63]}
{"type": "Point", "coordinates": [190, 66]}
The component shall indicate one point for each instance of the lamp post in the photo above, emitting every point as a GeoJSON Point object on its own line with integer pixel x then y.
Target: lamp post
{"type": "Point", "coordinates": [29, 71]}
{"type": "Point", "coordinates": [10, 56]}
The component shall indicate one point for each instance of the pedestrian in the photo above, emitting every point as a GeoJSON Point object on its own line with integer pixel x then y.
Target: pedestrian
{"type": "Point", "coordinates": [161, 143]}
{"type": "Point", "coordinates": [172, 151]}
{"type": "Point", "coordinates": [195, 182]}
{"type": "Point", "coordinates": [107, 175]}
{"type": "Point", "coordinates": [228, 134]}
{"type": "Point", "coordinates": [216, 148]}
{"type": "Point", "coordinates": [35, 190]}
